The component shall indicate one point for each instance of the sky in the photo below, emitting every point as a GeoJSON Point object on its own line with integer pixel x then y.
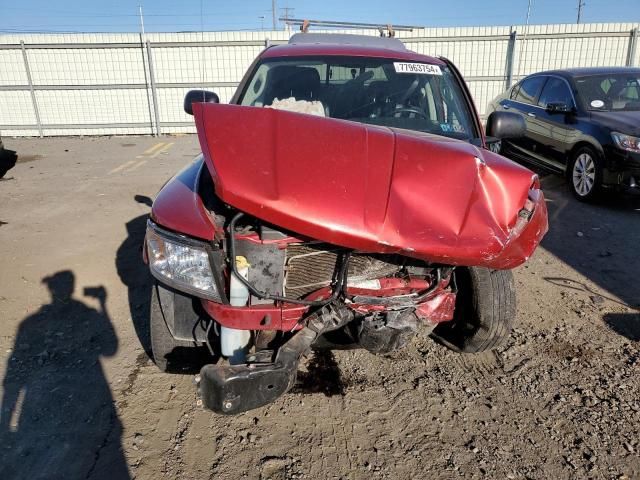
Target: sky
{"type": "Point", "coordinates": [185, 15]}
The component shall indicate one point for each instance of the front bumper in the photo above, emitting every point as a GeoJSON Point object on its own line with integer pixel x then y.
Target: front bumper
{"type": "Point", "coordinates": [232, 389]}
{"type": "Point", "coordinates": [622, 169]}
{"type": "Point", "coordinates": [256, 317]}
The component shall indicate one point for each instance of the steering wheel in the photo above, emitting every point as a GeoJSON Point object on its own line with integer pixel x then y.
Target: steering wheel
{"type": "Point", "coordinates": [415, 110]}
{"type": "Point", "coordinates": [349, 97]}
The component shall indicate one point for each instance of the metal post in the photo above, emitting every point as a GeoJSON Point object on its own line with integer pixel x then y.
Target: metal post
{"type": "Point", "coordinates": [511, 51]}
{"type": "Point", "coordinates": [581, 4]}
{"type": "Point", "coordinates": [273, 13]}
{"type": "Point", "coordinates": [146, 83]}
{"type": "Point", "coordinates": [33, 93]}
{"type": "Point", "coordinates": [141, 19]}
{"type": "Point", "coordinates": [154, 94]}
{"type": "Point", "coordinates": [631, 51]}
{"type": "Point", "coordinates": [522, 54]}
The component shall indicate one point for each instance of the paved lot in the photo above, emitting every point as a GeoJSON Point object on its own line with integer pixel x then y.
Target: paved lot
{"type": "Point", "coordinates": [80, 399]}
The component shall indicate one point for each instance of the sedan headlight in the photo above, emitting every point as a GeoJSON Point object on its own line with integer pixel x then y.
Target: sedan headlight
{"type": "Point", "coordinates": [626, 142]}
{"type": "Point", "coordinates": [181, 262]}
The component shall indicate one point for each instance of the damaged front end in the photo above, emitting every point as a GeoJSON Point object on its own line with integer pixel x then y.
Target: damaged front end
{"type": "Point", "coordinates": [321, 233]}
{"type": "Point", "coordinates": [304, 293]}
{"type": "Point", "coordinates": [295, 293]}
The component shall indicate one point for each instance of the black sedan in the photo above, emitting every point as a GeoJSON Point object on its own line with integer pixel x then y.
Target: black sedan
{"type": "Point", "coordinates": [581, 122]}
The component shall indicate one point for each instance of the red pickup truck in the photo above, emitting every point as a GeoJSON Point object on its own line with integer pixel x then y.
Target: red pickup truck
{"type": "Point", "coordinates": [346, 197]}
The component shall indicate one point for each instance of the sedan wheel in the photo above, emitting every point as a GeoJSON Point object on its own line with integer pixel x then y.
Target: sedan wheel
{"type": "Point", "coordinates": [585, 174]}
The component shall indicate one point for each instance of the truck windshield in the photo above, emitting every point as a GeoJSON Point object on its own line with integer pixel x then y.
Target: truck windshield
{"type": "Point", "coordinates": [414, 96]}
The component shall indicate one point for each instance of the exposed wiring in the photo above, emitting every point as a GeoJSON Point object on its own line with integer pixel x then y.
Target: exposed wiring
{"type": "Point", "coordinates": [209, 347]}
{"type": "Point", "coordinates": [340, 279]}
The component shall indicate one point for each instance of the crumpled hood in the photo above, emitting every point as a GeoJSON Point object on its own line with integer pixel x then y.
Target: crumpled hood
{"type": "Point", "coordinates": [371, 188]}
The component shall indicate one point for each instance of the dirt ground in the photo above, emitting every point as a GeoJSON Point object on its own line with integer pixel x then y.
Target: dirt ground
{"type": "Point", "coordinates": [81, 399]}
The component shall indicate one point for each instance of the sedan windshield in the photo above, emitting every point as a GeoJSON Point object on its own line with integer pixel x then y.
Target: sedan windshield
{"type": "Point", "coordinates": [414, 96]}
{"type": "Point", "coordinates": [610, 92]}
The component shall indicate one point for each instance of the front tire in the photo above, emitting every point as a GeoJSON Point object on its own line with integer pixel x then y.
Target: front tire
{"type": "Point", "coordinates": [585, 174]}
{"type": "Point", "coordinates": [485, 311]}
{"type": "Point", "coordinates": [162, 341]}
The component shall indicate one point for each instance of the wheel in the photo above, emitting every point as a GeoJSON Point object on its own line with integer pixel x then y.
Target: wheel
{"type": "Point", "coordinates": [162, 341]}
{"type": "Point", "coordinates": [585, 174]}
{"type": "Point", "coordinates": [484, 313]}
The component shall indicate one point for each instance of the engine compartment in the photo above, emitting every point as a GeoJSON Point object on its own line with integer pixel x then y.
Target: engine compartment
{"type": "Point", "coordinates": [290, 276]}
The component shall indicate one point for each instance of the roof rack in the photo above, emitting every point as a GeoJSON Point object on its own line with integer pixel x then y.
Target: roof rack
{"type": "Point", "coordinates": [343, 25]}
{"type": "Point", "coordinates": [347, 39]}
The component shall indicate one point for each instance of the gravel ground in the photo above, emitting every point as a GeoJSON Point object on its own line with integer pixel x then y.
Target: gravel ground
{"type": "Point", "coordinates": [81, 399]}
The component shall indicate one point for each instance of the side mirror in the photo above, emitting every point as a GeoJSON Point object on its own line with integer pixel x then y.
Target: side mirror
{"type": "Point", "coordinates": [203, 96]}
{"type": "Point", "coordinates": [557, 107]}
{"type": "Point", "coordinates": [505, 125]}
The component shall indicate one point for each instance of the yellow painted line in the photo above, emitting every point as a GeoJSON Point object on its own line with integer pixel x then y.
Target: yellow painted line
{"type": "Point", "coordinates": [162, 150]}
{"type": "Point", "coordinates": [121, 167]}
{"type": "Point", "coordinates": [149, 151]}
{"type": "Point", "coordinates": [137, 165]}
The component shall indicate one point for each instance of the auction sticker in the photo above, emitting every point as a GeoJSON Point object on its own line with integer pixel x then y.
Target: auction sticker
{"type": "Point", "coordinates": [421, 68]}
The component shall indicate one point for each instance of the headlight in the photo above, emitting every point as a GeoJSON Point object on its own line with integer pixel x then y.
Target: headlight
{"type": "Point", "coordinates": [181, 262]}
{"type": "Point", "coordinates": [626, 142]}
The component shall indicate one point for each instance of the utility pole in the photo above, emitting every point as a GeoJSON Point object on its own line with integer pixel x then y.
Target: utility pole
{"type": "Point", "coordinates": [580, 5]}
{"type": "Point", "coordinates": [286, 14]}
{"type": "Point", "coordinates": [141, 19]}
{"type": "Point", "coordinates": [273, 13]}
{"type": "Point", "coordinates": [523, 49]}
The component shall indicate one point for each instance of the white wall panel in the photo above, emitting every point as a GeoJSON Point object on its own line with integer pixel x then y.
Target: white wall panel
{"type": "Point", "coordinates": [479, 52]}
{"type": "Point", "coordinates": [84, 66]}
{"type": "Point", "coordinates": [12, 70]}
{"type": "Point", "coordinates": [93, 106]}
{"type": "Point", "coordinates": [16, 108]}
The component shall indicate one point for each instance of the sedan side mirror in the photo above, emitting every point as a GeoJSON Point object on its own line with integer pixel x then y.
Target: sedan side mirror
{"type": "Point", "coordinates": [505, 125]}
{"type": "Point", "coordinates": [557, 107]}
{"type": "Point", "coordinates": [203, 96]}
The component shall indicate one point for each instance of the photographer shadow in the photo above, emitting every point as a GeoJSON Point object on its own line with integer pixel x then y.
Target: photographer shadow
{"type": "Point", "coordinates": [134, 274]}
{"type": "Point", "coordinates": [58, 418]}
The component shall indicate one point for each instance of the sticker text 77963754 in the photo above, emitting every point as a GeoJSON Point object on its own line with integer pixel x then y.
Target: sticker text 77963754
{"type": "Point", "coordinates": [420, 68]}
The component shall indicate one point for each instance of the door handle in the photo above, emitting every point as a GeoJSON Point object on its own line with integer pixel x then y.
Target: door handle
{"type": "Point", "coordinates": [532, 115]}
{"type": "Point", "coordinates": [506, 107]}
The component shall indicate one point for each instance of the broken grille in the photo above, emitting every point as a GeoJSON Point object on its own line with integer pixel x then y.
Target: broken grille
{"type": "Point", "coordinates": [310, 266]}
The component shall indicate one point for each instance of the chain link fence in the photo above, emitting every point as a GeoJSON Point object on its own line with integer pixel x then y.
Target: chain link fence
{"type": "Point", "coordinates": [114, 84]}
